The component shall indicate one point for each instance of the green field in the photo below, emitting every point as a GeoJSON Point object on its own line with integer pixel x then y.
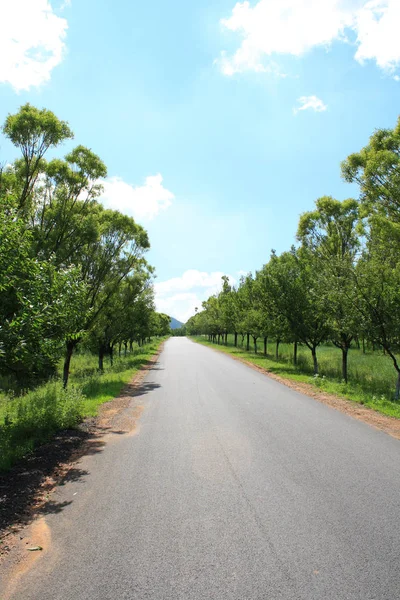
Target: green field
{"type": "Point", "coordinates": [31, 419]}
{"type": "Point", "coordinates": [372, 377]}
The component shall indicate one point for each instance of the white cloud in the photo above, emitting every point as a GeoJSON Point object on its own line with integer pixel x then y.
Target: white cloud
{"type": "Point", "coordinates": [377, 27]}
{"type": "Point", "coordinates": [310, 103]}
{"type": "Point", "coordinates": [31, 42]}
{"type": "Point", "coordinates": [294, 27]}
{"type": "Point", "coordinates": [178, 297]}
{"type": "Point", "coordinates": [246, 60]}
{"type": "Point", "coordinates": [189, 280]}
{"type": "Point", "coordinates": [144, 202]}
{"type": "Point", "coordinates": [179, 306]}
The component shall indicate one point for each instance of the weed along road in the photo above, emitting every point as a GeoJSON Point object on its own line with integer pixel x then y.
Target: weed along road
{"type": "Point", "coordinates": [232, 487]}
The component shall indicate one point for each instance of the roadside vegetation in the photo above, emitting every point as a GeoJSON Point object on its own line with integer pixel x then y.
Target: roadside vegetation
{"type": "Point", "coordinates": [75, 287]}
{"type": "Point", "coordinates": [334, 297]}
{"type": "Point", "coordinates": [34, 417]}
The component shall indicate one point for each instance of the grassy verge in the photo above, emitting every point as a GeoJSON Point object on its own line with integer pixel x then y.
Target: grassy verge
{"type": "Point", "coordinates": [99, 388]}
{"type": "Point", "coordinates": [371, 381]}
{"type": "Point", "coordinates": [32, 419]}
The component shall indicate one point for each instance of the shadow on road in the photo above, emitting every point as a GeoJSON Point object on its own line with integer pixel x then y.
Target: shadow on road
{"type": "Point", "coordinates": [145, 388]}
{"type": "Point", "coordinates": [24, 489]}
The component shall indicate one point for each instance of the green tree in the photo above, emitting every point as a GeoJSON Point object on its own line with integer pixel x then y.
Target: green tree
{"type": "Point", "coordinates": [330, 233]}
{"type": "Point", "coordinates": [251, 313]}
{"type": "Point", "coordinates": [210, 318]}
{"type": "Point", "coordinates": [226, 299]}
{"type": "Point", "coordinates": [296, 288]}
{"type": "Point", "coordinates": [160, 324]}
{"type": "Point", "coordinates": [377, 280]}
{"type": "Point", "coordinates": [274, 322]}
{"type": "Point", "coordinates": [64, 214]}
{"type": "Point", "coordinates": [34, 131]}
{"type": "Point", "coordinates": [117, 252]}
{"type": "Point", "coordinates": [68, 228]}
{"type": "Point", "coordinates": [38, 305]}
{"type": "Point", "coordinates": [376, 169]}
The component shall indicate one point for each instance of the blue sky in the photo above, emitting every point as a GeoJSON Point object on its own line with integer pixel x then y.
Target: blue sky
{"type": "Point", "coordinates": [220, 123]}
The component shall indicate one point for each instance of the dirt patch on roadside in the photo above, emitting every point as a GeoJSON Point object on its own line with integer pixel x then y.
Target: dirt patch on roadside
{"type": "Point", "coordinates": [25, 491]}
{"type": "Point", "coordinates": [37, 542]}
{"type": "Point", "coordinates": [389, 425]}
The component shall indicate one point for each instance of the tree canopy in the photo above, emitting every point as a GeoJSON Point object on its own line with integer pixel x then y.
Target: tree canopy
{"type": "Point", "coordinates": [71, 271]}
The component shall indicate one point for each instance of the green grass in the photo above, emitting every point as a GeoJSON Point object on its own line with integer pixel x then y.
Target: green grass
{"type": "Point", "coordinates": [99, 388]}
{"type": "Point", "coordinates": [33, 418]}
{"type": "Point", "coordinates": [372, 376]}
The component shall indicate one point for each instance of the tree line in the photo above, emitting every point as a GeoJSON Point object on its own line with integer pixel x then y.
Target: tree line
{"type": "Point", "coordinates": [71, 271]}
{"type": "Point", "coordinates": [340, 283]}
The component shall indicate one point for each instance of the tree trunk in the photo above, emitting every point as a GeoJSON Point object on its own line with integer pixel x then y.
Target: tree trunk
{"type": "Point", "coordinates": [295, 353]}
{"type": "Point", "coordinates": [345, 352]}
{"type": "Point", "coordinates": [278, 341]}
{"type": "Point", "coordinates": [111, 354]}
{"type": "Point", "coordinates": [315, 360]}
{"type": "Point", "coordinates": [67, 361]}
{"type": "Point", "coordinates": [119, 349]}
{"type": "Point", "coordinates": [101, 359]}
{"type": "Point", "coordinates": [235, 339]}
{"type": "Point", "coordinates": [255, 344]}
{"type": "Point", "coordinates": [248, 342]}
{"type": "Point", "coordinates": [396, 366]}
{"type": "Point", "coordinates": [125, 348]}
{"type": "Point", "coordinates": [219, 337]}
{"type": "Point", "coordinates": [265, 346]}
{"type": "Point", "coordinates": [363, 346]}
{"type": "Point", "coordinates": [130, 346]}
{"type": "Point", "coordinates": [397, 394]}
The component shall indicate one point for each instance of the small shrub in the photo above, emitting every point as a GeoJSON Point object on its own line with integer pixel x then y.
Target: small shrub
{"type": "Point", "coordinates": [33, 418]}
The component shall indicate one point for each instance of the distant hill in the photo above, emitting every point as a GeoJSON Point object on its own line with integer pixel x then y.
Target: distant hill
{"type": "Point", "coordinates": [175, 324]}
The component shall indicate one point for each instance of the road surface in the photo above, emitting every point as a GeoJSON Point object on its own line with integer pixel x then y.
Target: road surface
{"type": "Point", "coordinates": [234, 487]}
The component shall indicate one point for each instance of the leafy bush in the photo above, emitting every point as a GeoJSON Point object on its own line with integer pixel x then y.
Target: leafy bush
{"type": "Point", "coordinates": [33, 418]}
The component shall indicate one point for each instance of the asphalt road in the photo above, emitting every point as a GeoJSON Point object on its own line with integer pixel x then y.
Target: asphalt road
{"type": "Point", "coordinates": [234, 487]}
